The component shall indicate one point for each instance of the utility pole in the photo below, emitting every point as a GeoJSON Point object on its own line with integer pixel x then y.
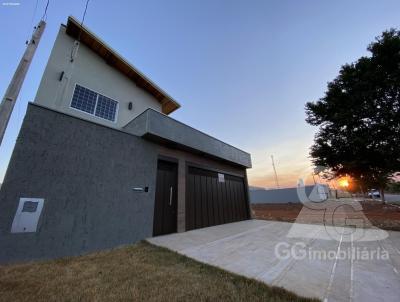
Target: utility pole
{"type": "Point", "coordinates": [313, 177]}
{"type": "Point", "coordinates": [276, 175]}
{"type": "Point", "coordinates": [11, 95]}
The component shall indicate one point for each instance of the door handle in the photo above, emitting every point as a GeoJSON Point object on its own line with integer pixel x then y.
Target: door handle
{"type": "Point", "coordinates": [170, 196]}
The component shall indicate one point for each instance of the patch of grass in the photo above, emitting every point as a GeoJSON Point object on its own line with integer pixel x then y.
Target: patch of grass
{"type": "Point", "coordinates": [140, 272]}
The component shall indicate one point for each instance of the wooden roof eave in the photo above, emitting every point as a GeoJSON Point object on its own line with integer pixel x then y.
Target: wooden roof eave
{"type": "Point", "coordinates": [74, 29]}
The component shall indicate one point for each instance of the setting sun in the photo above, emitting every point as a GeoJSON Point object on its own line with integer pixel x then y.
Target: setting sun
{"type": "Point", "coordinates": [343, 182]}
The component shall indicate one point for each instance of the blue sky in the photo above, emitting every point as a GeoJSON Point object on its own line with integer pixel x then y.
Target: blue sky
{"type": "Point", "coordinates": [242, 70]}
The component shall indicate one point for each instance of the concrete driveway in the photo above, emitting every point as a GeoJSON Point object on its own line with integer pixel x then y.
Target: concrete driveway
{"type": "Point", "coordinates": [332, 264]}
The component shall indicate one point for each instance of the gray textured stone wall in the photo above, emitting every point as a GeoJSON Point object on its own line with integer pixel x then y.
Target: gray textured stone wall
{"type": "Point", "coordinates": [85, 172]}
{"type": "Point", "coordinates": [286, 195]}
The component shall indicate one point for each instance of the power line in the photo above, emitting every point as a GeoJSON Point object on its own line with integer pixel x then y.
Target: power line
{"type": "Point", "coordinates": [34, 12]}
{"type": "Point", "coordinates": [84, 13]}
{"type": "Point", "coordinates": [75, 46]}
{"type": "Point", "coordinates": [276, 175]}
{"type": "Point", "coordinates": [31, 24]}
{"type": "Point", "coordinates": [83, 19]}
{"type": "Point", "coordinates": [45, 10]}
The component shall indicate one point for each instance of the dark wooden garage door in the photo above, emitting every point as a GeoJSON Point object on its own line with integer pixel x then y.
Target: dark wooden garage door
{"type": "Point", "coordinates": [212, 199]}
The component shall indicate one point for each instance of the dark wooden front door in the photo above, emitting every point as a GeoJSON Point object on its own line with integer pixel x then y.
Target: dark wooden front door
{"type": "Point", "coordinates": [165, 210]}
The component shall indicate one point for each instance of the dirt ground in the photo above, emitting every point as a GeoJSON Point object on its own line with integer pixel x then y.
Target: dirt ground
{"type": "Point", "coordinates": [340, 212]}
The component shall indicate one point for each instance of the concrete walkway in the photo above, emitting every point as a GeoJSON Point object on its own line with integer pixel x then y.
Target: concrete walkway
{"type": "Point", "coordinates": [312, 261]}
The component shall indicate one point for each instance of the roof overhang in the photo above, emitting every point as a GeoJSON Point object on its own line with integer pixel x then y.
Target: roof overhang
{"type": "Point", "coordinates": [160, 128]}
{"type": "Point", "coordinates": [75, 30]}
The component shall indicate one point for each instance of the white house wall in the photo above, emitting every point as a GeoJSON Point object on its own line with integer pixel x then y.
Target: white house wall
{"type": "Point", "coordinates": [90, 71]}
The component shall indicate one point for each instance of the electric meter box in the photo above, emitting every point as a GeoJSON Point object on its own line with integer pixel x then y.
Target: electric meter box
{"type": "Point", "coordinates": [27, 216]}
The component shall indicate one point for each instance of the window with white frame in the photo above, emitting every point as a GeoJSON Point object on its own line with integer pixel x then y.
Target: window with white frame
{"type": "Point", "coordinates": [94, 103]}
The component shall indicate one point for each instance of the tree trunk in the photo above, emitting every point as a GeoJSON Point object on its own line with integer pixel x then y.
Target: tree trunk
{"type": "Point", "coordinates": [363, 192]}
{"type": "Point", "coordinates": [382, 191]}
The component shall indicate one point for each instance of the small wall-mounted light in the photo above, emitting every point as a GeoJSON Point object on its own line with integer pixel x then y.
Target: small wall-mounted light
{"type": "Point", "coordinates": [140, 189]}
{"type": "Point", "coordinates": [130, 106]}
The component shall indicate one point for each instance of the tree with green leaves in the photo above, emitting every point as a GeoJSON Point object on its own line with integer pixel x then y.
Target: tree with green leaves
{"type": "Point", "coordinates": [359, 117]}
{"type": "Point", "coordinates": [393, 186]}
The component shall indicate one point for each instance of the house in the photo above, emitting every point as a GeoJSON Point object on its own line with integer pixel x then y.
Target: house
{"type": "Point", "coordinates": [98, 162]}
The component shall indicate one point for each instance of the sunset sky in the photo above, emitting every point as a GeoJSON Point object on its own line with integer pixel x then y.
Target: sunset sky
{"type": "Point", "coordinates": [242, 70]}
